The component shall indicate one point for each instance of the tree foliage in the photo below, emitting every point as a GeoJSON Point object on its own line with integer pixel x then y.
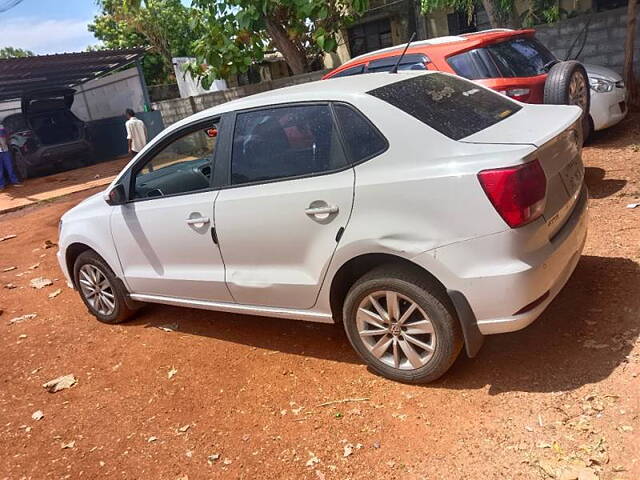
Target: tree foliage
{"type": "Point", "coordinates": [236, 33]}
{"type": "Point", "coordinates": [12, 52]}
{"type": "Point", "coordinates": [162, 25]}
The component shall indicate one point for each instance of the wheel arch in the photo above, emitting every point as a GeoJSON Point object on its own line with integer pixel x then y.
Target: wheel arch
{"type": "Point", "coordinates": [72, 252]}
{"type": "Point", "coordinates": [356, 267]}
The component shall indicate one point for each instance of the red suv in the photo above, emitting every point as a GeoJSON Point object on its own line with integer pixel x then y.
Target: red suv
{"type": "Point", "coordinates": [512, 62]}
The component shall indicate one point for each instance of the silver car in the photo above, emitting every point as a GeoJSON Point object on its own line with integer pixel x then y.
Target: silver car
{"type": "Point", "coordinates": [419, 210]}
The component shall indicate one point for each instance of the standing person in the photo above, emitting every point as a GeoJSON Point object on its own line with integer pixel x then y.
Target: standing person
{"type": "Point", "coordinates": [136, 133]}
{"type": "Point", "coordinates": [6, 162]}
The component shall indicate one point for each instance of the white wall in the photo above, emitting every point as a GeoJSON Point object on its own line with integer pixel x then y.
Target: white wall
{"type": "Point", "coordinates": [109, 96]}
{"type": "Point", "coordinates": [104, 97]}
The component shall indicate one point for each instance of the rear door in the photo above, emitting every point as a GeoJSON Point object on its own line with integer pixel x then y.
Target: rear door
{"type": "Point", "coordinates": [289, 194]}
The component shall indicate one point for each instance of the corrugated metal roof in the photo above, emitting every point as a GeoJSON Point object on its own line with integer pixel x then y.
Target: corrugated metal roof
{"type": "Point", "coordinates": [18, 75]}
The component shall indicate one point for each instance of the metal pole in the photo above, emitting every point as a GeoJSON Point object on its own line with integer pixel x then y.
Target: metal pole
{"type": "Point", "coordinates": [143, 84]}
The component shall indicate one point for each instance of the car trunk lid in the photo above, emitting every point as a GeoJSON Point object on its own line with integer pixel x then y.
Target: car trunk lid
{"type": "Point", "coordinates": [37, 101]}
{"type": "Point", "coordinates": [555, 131]}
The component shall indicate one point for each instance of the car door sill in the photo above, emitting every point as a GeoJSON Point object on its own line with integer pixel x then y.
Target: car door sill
{"type": "Point", "coordinates": [277, 312]}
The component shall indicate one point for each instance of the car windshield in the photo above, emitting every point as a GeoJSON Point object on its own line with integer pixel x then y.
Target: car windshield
{"type": "Point", "coordinates": [454, 107]}
{"type": "Point", "coordinates": [519, 57]}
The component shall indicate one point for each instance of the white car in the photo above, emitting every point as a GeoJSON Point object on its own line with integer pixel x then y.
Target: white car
{"type": "Point", "coordinates": [420, 210]}
{"type": "Point", "coordinates": [608, 97]}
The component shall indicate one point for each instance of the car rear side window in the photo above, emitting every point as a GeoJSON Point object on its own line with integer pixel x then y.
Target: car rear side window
{"type": "Point", "coordinates": [361, 138]}
{"type": "Point", "coordinates": [412, 61]}
{"type": "Point", "coordinates": [451, 105]}
{"type": "Point", "coordinates": [285, 142]}
{"type": "Point", "coordinates": [357, 70]}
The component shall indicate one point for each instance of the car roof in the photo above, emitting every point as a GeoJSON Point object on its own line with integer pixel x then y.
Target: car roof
{"type": "Point", "coordinates": [335, 89]}
{"type": "Point", "coordinates": [437, 46]}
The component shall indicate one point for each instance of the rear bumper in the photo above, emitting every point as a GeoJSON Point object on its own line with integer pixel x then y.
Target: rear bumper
{"type": "Point", "coordinates": [45, 157]}
{"type": "Point", "coordinates": [507, 274]}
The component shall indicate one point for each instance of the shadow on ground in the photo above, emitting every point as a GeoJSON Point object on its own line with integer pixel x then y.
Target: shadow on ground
{"type": "Point", "coordinates": [624, 134]}
{"type": "Point", "coordinates": [599, 187]}
{"type": "Point", "coordinates": [580, 339]}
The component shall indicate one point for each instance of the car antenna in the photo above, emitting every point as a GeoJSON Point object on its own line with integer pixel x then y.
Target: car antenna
{"type": "Point", "coordinates": [395, 67]}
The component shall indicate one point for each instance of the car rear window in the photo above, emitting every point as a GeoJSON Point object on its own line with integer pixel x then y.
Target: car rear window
{"type": "Point", "coordinates": [518, 57]}
{"type": "Point", "coordinates": [451, 105]}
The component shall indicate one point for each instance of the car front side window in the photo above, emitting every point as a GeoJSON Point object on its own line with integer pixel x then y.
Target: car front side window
{"type": "Point", "coordinates": [182, 166]}
{"type": "Point", "coordinates": [285, 142]}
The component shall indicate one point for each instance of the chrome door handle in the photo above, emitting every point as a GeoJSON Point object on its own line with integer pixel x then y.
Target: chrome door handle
{"type": "Point", "coordinates": [198, 221]}
{"type": "Point", "coordinates": [324, 210]}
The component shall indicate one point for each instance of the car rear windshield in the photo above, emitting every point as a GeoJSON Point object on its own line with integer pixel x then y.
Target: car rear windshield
{"type": "Point", "coordinates": [518, 57]}
{"type": "Point", "coordinates": [454, 107]}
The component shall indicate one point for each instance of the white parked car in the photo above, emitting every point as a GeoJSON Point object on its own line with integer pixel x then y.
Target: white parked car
{"type": "Point", "coordinates": [608, 97]}
{"type": "Point", "coordinates": [420, 210]}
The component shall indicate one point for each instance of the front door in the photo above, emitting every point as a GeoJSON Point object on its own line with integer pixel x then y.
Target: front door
{"type": "Point", "coordinates": [290, 194]}
{"type": "Point", "coordinates": [163, 235]}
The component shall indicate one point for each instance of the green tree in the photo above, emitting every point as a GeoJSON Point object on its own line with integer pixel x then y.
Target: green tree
{"type": "Point", "coordinates": [162, 25]}
{"type": "Point", "coordinates": [12, 52]}
{"type": "Point", "coordinates": [236, 33]}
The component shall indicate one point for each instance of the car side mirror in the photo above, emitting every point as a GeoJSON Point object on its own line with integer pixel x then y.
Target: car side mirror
{"type": "Point", "coordinates": [117, 195]}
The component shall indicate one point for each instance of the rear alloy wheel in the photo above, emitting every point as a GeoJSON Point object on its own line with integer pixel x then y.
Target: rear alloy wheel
{"type": "Point", "coordinates": [402, 324]}
{"type": "Point", "coordinates": [99, 289]}
{"type": "Point", "coordinates": [568, 84]}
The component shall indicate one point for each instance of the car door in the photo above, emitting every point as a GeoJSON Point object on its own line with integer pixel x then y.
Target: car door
{"type": "Point", "coordinates": [288, 199]}
{"type": "Point", "coordinates": [164, 235]}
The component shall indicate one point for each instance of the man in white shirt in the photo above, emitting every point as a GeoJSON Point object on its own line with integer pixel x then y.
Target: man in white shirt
{"type": "Point", "coordinates": [6, 162]}
{"type": "Point", "coordinates": [136, 132]}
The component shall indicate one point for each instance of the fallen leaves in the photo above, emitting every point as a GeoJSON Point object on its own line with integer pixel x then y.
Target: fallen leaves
{"type": "Point", "coordinates": [49, 244]}
{"type": "Point", "coordinates": [37, 415]}
{"type": "Point", "coordinates": [9, 269]}
{"type": "Point", "coordinates": [55, 293]}
{"type": "Point", "coordinates": [60, 383]}
{"type": "Point", "coordinates": [70, 444]}
{"type": "Point", "coordinates": [7, 237]}
{"type": "Point", "coordinates": [211, 459]}
{"type": "Point", "coordinates": [40, 282]}
{"type": "Point", "coordinates": [23, 318]}
{"type": "Point", "coordinates": [172, 373]}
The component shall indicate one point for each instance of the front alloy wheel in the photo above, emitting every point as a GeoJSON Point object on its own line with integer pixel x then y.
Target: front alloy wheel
{"type": "Point", "coordinates": [97, 290]}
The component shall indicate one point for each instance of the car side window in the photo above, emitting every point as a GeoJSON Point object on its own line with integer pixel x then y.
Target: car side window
{"type": "Point", "coordinates": [361, 138]}
{"type": "Point", "coordinates": [285, 142]}
{"type": "Point", "coordinates": [182, 166]}
{"type": "Point", "coordinates": [357, 70]}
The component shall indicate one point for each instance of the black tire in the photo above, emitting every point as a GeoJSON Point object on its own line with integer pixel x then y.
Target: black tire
{"type": "Point", "coordinates": [121, 311]}
{"type": "Point", "coordinates": [20, 165]}
{"type": "Point", "coordinates": [558, 89]}
{"type": "Point", "coordinates": [434, 302]}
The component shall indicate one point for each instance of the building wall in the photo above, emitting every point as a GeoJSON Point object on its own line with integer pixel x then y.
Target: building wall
{"type": "Point", "coordinates": [179, 108]}
{"type": "Point", "coordinates": [605, 39]}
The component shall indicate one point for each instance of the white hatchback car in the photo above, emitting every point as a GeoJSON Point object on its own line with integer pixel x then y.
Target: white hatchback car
{"type": "Point", "coordinates": [420, 210]}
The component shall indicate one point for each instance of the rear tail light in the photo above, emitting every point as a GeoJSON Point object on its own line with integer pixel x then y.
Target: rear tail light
{"type": "Point", "coordinates": [517, 193]}
{"type": "Point", "coordinates": [520, 94]}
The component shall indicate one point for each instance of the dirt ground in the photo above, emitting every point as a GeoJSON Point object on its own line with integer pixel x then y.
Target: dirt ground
{"type": "Point", "coordinates": [230, 396]}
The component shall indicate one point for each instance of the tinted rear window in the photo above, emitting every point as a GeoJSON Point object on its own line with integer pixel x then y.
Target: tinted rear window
{"type": "Point", "coordinates": [357, 70]}
{"type": "Point", "coordinates": [519, 57]}
{"type": "Point", "coordinates": [454, 107]}
{"type": "Point", "coordinates": [412, 61]}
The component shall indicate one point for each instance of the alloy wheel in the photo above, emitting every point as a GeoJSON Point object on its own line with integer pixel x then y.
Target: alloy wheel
{"type": "Point", "coordinates": [97, 289]}
{"type": "Point", "coordinates": [578, 91]}
{"type": "Point", "coordinates": [395, 330]}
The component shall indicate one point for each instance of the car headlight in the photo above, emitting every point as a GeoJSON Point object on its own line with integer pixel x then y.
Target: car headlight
{"type": "Point", "coordinates": [601, 85]}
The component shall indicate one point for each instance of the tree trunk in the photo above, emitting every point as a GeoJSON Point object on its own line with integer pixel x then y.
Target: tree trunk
{"type": "Point", "coordinates": [295, 58]}
{"type": "Point", "coordinates": [499, 19]}
{"type": "Point", "coordinates": [629, 75]}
